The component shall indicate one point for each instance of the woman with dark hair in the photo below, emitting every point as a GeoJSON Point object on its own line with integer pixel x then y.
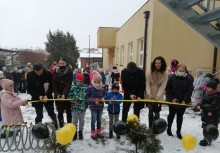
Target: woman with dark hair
{"type": "Point", "coordinates": [62, 81]}
{"type": "Point", "coordinates": [156, 83]}
{"type": "Point", "coordinates": [179, 90]}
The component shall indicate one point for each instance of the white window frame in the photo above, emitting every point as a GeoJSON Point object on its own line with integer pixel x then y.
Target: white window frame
{"type": "Point", "coordinates": [130, 51]}
{"type": "Point", "coordinates": [141, 52]}
{"type": "Point", "coordinates": [122, 55]}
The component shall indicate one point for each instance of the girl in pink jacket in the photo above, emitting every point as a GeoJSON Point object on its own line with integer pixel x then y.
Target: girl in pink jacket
{"type": "Point", "coordinates": [10, 104]}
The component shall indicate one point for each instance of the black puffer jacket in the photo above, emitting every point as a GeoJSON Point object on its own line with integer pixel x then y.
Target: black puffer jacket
{"type": "Point", "coordinates": [179, 88]}
{"type": "Point", "coordinates": [210, 103]}
{"type": "Point", "coordinates": [133, 83]}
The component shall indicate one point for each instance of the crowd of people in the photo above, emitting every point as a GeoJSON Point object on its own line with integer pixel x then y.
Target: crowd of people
{"type": "Point", "coordinates": [91, 88]}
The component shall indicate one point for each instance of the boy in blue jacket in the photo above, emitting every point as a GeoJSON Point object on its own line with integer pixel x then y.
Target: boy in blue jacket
{"type": "Point", "coordinates": [113, 107]}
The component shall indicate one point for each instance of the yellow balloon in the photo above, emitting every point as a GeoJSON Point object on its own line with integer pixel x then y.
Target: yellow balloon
{"type": "Point", "coordinates": [189, 142]}
{"type": "Point", "coordinates": [72, 127]}
{"type": "Point", "coordinates": [64, 136]}
{"type": "Point", "coordinates": [132, 119]}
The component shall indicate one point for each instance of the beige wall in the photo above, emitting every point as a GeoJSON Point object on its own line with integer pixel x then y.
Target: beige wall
{"type": "Point", "coordinates": [106, 37]}
{"type": "Point", "coordinates": [108, 55]}
{"type": "Point", "coordinates": [132, 31]}
{"type": "Point", "coordinates": [173, 38]}
{"type": "Point", "coordinates": [168, 36]}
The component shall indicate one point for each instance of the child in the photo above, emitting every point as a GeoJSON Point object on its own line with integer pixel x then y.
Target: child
{"type": "Point", "coordinates": [78, 108]}
{"type": "Point", "coordinates": [207, 77]}
{"type": "Point", "coordinates": [10, 104]}
{"type": "Point", "coordinates": [113, 107]}
{"type": "Point", "coordinates": [96, 91]}
{"type": "Point", "coordinates": [210, 107]}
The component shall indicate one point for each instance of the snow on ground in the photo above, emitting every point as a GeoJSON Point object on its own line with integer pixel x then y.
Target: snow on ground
{"type": "Point", "coordinates": [191, 125]}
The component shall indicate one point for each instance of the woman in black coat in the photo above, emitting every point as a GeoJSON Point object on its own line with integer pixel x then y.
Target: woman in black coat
{"type": "Point", "coordinates": [62, 81]}
{"type": "Point", "coordinates": [179, 90]}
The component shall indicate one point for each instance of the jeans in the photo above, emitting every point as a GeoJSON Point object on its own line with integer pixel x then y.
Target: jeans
{"type": "Point", "coordinates": [96, 117]}
{"type": "Point", "coordinates": [112, 119]}
{"type": "Point", "coordinates": [79, 117]}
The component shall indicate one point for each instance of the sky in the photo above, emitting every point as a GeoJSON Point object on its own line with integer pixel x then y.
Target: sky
{"type": "Point", "coordinates": [25, 23]}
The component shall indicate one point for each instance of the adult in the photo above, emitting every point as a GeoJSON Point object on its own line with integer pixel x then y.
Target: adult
{"type": "Point", "coordinates": [101, 71]}
{"type": "Point", "coordinates": [197, 84]}
{"type": "Point", "coordinates": [39, 86]}
{"type": "Point", "coordinates": [62, 81]}
{"type": "Point", "coordinates": [156, 83]}
{"type": "Point", "coordinates": [87, 68]}
{"type": "Point", "coordinates": [115, 75]}
{"type": "Point", "coordinates": [179, 90]}
{"type": "Point", "coordinates": [134, 85]}
{"type": "Point", "coordinates": [173, 66]}
{"type": "Point", "coordinates": [52, 66]}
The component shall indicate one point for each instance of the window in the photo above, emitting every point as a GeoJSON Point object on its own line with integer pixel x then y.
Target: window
{"type": "Point", "coordinates": [116, 56]}
{"type": "Point", "coordinates": [122, 55]}
{"type": "Point", "coordinates": [130, 50]}
{"type": "Point", "coordinates": [119, 56]}
{"type": "Point", "coordinates": [141, 52]}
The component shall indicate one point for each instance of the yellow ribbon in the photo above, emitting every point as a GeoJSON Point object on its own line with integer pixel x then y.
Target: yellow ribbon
{"type": "Point", "coordinates": [142, 100]}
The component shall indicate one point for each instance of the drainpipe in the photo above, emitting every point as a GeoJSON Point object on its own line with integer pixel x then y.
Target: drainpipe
{"type": "Point", "coordinates": [214, 60]}
{"type": "Point", "coordinates": [146, 16]}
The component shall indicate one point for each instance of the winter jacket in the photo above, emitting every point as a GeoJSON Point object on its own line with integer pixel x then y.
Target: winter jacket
{"type": "Point", "coordinates": [210, 103]}
{"type": "Point", "coordinates": [197, 84]}
{"type": "Point", "coordinates": [10, 108]}
{"type": "Point", "coordinates": [179, 88]}
{"type": "Point", "coordinates": [78, 92]}
{"type": "Point", "coordinates": [103, 77]}
{"type": "Point", "coordinates": [94, 94]}
{"type": "Point", "coordinates": [86, 79]}
{"type": "Point", "coordinates": [35, 86]}
{"type": "Point", "coordinates": [133, 83]}
{"type": "Point", "coordinates": [115, 75]}
{"type": "Point", "coordinates": [115, 106]}
{"type": "Point", "coordinates": [156, 83]}
{"type": "Point", "coordinates": [107, 79]}
{"type": "Point", "coordinates": [62, 81]}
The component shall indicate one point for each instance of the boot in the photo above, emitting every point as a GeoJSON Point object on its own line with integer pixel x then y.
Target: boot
{"type": "Point", "coordinates": [169, 132]}
{"type": "Point", "coordinates": [110, 134]}
{"type": "Point", "coordinates": [178, 133]}
{"type": "Point", "coordinates": [75, 136]}
{"type": "Point", "coordinates": [170, 122]}
{"type": "Point", "coordinates": [99, 133]}
{"type": "Point", "coordinates": [94, 135]}
{"type": "Point", "coordinates": [204, 143]}
{"type": "Point", "coordinates": [118, 136]}
{"type": "Point", "coordinates": [80, 135]}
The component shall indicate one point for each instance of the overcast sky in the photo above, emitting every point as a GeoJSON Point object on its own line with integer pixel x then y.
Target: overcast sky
{"type": "Point", "coordinates": [25, 23]}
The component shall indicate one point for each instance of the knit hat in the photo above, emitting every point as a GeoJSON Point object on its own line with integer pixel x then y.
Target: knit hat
{"type": "Point", "coordinates": [80, 76]}
{"type": "Point", "coordinates": [209, 75]}
{"type": "Point", "coordinates": [5, 83]}
{"type": "Point", "coordinates": [174, 62]}
{"type": "Point", "coordinates": [96, 76]}
{"type": "Point", "coordinates": [115, 86]}
{"type": "Point", "coordinates": [212, 84]}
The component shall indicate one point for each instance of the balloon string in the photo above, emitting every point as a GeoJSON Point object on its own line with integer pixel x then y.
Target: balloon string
{"type": "Point", "coordinates": [144, 100]}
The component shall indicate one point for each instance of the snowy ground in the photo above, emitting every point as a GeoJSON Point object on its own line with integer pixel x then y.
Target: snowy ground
{"type": "Point", "coordinates": [191, 125]}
